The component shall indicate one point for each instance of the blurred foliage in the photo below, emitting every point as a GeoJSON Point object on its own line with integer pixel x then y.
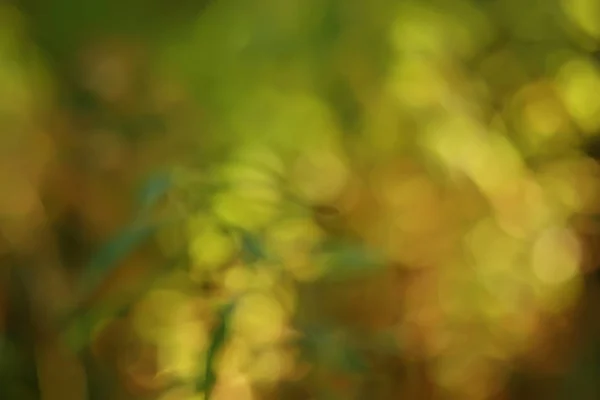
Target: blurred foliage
{"type": "Point", "coordinates": [237, 199]}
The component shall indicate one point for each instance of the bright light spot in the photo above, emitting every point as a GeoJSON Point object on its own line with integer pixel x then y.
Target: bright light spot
{"type": "Point", "coordinates": [584, 13]}
{"type": "Point", "coordinates": [260, 157]}
{"type": "Point", "coordinates": [235, 358]}
{"type": "Point", "coordinates": [211, 247]}
{"type": "Point", "coordinates": [319, 175]}
{"type": "Point", "coordinates": [265, 277]}
{"type": "Point", "coordinates": [293, 240]}
{"type": "Point", "coordinates": [290, 237]}
{"type": "Point", "coordinates": [522, 208]}
{"type": "Point", "coordinates": [191, 334]}
{"type": "Point", "coordinates": [572, 183]}
{"type": "Point", "coordinates": [246, 175]}
{"type": "Point", "coordinates": [259, 318]}
{"type": "Point", "coordinates": [246, 210]}
{"type": "Point", "coordinates": [161, 311]}
{"type": "Point", "coordinates": [579, 84]}
{"type": "Point", "coordinates": [542, 116]}
{"type": "Point", "coordinates": [238, 279]}
{"type": "Point", "coordinates": [270, 366]}
{"type": "Point", "coordinates": [419, 30]}
{"type": "Point", "coordinates": [491, 248]}
{"type": "Point", "coordinates": [556, 256]}
{"type": "Point", "coordinates": [418, 83]}
{"type": "Point", "coordinates": [463, 144]}
{"type": "Point", "coordinates": [180, 354]}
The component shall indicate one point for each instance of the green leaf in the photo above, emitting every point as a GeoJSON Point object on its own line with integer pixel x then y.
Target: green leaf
{"type": "Point", "coordinates": [112, 253]}
{"type": "Point", "coordinates": [352, 361]}
{"type": "Point", "coordinates": [79, 328]}
{"type": "Point", "coordinates": [208, 381]}
{"type": "Point", "coordinates": [153, 190]}
{"type": "Point", "coordinates": [79, 323]}
{"type": "Point", "coordinates": [346, 259]}
{"type": "Point", "coordinates": [252, 248]}
{"type": "Point", "coordinates": [331, 348]}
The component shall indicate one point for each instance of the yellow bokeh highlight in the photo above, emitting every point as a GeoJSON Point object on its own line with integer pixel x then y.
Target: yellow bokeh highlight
{"type": "Point", "coordinates": [464, 145]}
{"type": "Point", "coordinates": [319, 175]}
{"type": "Point", "coordinates": [571, 183]}
{"type": "Point", "coordinates": [494, 251]}
{"type": "Point", "coordinates": [288, 122]}
{"type": "Point", "coordinates": [461, 162]}
{"type": "Point", "coordinates": [579, 84]}
{"type": "Point", "coordinates": [291, 236]}
{"type": "Point", "coordinates": [235, 358]}
{"type": "Point", "coordinates": [181, 352]}
{"type": "Point", "coordinates": [542, 118]}
{"type": "Point", "coordinates": [523, 208]}
{"type": "Point", "coordinates": [584, 13]}
{"type": "Point", "coordinates": [418, 83]}
{"type": "Point", "coordinates": [261, 157]}
{"type": "Point", "coordinates": [159, 311]}
{"type": "Point", "coordinates": [250, 209]}
{"type": "Point", "coordinates": [211, 247]}
{"type": "Point", "coordinates": [556, 256]}
{"type": "Point", "coordinates": [171, 321]}
{"type": "Point", "coordinates": [259, 318]}
{"type": "Point", "coordinates": [241, 175]}
{"type": "Point", "coordinates": [440, 31]}
{"type": "Point", "coordinates": [238, 279]}
{"type": "Point", "coordinates": [270, 366]}
{"type": "Point", "coordinates": [419, 29]}
{"type": "Point", "coordinates": [292, 240]}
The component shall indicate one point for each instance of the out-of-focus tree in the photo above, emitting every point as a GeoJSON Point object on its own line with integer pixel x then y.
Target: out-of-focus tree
{"type": "Point", "coordinates": [342, 198]}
